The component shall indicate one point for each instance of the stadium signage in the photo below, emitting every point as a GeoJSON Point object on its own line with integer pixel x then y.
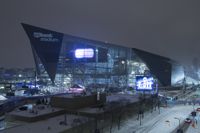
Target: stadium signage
{"type": "Point", "coordinates": [144, 83]}
{"type": "Point", "coordinates": [45, 37]}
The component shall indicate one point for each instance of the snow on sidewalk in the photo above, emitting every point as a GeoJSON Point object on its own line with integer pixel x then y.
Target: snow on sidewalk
{"type": "Point", "coordinates": [196, 127]}
{"type": "Point", "coordinates": [155, 122]}
{"type": "Point", "coordinates": [51, 125]}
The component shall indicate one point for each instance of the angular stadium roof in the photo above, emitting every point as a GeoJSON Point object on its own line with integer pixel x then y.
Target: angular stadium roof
{"type": "Point", "coordinates": [48, 54]}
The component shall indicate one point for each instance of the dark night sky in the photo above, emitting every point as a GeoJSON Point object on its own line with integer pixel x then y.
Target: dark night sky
{"type": "Point", "coordinates": [170, 28]}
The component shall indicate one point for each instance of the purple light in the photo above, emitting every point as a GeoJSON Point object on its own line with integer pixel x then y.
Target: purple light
{"type": "Point", "coordinates": [84, 53]}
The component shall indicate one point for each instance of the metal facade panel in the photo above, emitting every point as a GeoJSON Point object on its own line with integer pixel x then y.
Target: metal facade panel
{"type": "Point", "coordinates": [47, 45]}
{"type": "Point", "coordinates": [158, 65]}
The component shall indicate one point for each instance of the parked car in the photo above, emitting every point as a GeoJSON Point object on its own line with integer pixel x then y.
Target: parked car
{"type": "Point", "coordinates": [188, 120]}
{"type": "Point", "coordinates": [198, 109]}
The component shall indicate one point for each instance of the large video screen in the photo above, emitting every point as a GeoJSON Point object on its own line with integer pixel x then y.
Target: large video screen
{"type": "Point", "coordinates": [85, 53]}
{"type": "Point", "coordinates": [144, 83]}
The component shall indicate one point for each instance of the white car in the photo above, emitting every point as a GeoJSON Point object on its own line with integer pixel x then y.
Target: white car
{"type": "Point", "coordinates": [77, 89]}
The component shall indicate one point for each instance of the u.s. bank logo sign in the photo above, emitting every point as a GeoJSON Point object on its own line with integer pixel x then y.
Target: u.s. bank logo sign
{"type": "Point", "coordinates": [144, 83]}
{"type": "Point", "coordinates": [45, 37]}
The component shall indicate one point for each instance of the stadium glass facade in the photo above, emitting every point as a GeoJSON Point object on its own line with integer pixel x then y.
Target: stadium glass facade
{"type": "Point", "coordinates": [64, 60]}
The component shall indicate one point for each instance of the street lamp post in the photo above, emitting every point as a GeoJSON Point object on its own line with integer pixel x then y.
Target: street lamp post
{"type": "Point", "coordinates": [179, 126]}
{"type": "Point", "coordinates": [184, 87]}
{"type": "Point", "coordinates": [35, 72]}
{"type": "Point", "coordinates": [178, 120]}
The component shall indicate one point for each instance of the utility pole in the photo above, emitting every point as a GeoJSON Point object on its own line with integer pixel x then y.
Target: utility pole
{"type": "Point", "coordinates": [35, 78]}
{"type": "Point", "coordinates": [184, 87]}
{"type": "Point", "coordinates": [178, 121]}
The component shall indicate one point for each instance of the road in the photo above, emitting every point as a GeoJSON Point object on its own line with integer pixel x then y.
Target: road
{"type": "Point", "coordinates": [164, 122]}
{"type": "Point", "coordinates": [155, 122]}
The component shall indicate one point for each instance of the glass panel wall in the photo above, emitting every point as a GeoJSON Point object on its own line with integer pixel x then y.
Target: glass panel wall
{"type": "Point", "coordinates": [94, 65]}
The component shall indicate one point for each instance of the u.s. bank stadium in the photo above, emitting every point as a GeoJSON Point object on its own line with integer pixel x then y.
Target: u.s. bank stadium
{"type": "Point", "coordinates": [64, 60]}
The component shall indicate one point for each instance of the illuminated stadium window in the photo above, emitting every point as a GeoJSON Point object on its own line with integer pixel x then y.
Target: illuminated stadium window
{"type": "Point", "coordinates": [84, 53]}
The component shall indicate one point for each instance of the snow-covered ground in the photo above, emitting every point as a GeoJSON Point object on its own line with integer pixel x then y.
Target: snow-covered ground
{"type": "Point", "coordinates": [122, 97]}
{"type": "Point", "coordinates": [154, 122]}
{"type": "Point", "coordinates": [164, 122]}
{"type": "Point", "coordinates": [27, 113]}
{"type": "Point", "coordinates": [48, 126]}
